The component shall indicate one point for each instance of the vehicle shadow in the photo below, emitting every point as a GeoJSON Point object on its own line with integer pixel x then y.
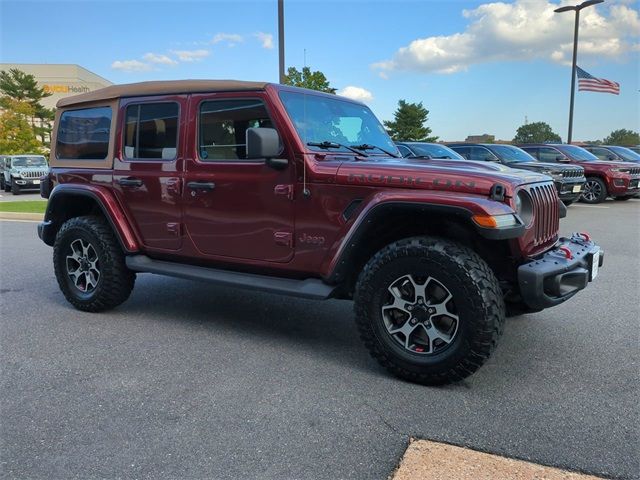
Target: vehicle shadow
{"type": "Point", "coordinates": [325, 328]}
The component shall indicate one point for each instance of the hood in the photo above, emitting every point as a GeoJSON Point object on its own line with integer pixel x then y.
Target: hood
{"type": "Point", "coordinates": [451, 175]}
{"type": "Point", "coordinates": [542, 166]}
{"type": "Point", "coordinates": [606, 164]}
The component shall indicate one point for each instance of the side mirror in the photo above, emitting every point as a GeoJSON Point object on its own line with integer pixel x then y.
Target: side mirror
{"type": "Point", "coordinates": [265, 143]}
{"type": "Point", "coordinates": [562, 158]}
{"type": "Point", "coordinates": [611, 157]}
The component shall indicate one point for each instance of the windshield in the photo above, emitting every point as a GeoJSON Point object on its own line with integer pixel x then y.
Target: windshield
{"type": "Point", "coordinates": [435, 151]}
{"type": "Point", "coordinates": [320, 119]}
{"type": "Point", "coordinates": [32, 161]}
{"type": "Point", "coordinates": [511, 154]}
{"type": "Point", "coordinates": [578, 153]}
{"type": "Point", "coordinates": [628, 155]}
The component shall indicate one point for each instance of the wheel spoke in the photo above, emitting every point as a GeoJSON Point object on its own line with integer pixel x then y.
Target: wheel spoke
{"type": "Point", "coordinates": [406, 329]}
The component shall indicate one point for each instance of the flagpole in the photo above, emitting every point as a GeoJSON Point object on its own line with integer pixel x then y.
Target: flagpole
{"type": "Point", "coordinates": [577, 9]}
{"type": "Point", "coordinates": [281, 74]}
{"type": "Point", "coordinates": [573, 76]}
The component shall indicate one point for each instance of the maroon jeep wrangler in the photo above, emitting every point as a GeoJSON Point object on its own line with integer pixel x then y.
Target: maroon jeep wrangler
{"type": "Point", "coordinates": [292, 191]}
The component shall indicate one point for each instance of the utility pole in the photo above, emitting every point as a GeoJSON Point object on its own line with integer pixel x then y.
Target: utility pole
{"type": "Point", "coordinates": [281, 40]}
{"type": "Point", "coordinates": [577, 9]}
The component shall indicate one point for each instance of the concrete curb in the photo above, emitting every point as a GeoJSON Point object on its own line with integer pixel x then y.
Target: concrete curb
{"type": "Point", "coordinates": [21, 216]}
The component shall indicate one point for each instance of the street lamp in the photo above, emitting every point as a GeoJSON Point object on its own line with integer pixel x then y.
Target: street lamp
{"type": "Point", "coordinates": [577, 9]}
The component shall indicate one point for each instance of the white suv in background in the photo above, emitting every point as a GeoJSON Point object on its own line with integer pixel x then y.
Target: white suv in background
{"type": "Point", "coordinates": [22, 172]}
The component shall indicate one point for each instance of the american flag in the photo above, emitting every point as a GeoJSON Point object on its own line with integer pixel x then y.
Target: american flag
{"type": "Point", "coordinates": [589, 83]}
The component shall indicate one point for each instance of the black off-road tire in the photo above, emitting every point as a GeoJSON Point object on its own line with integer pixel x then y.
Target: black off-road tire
{"type": "Point", "coordinates": [568, 202]}
{"type": "Point", "coordinates": [115, 281]}
{"type": "Point", "coordinates": [15, 189]}
{"type": "Point", "coordinates": [477, 295]}
{"type": "Point", "coordinates": [598, 184]}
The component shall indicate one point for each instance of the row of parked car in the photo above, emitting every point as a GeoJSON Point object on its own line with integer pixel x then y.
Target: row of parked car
{"type": "Point", "coordinates": [590, 173]}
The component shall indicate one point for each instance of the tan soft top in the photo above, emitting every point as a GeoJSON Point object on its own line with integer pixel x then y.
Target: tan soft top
{"type": "Point", "coordinates": [161, 88]}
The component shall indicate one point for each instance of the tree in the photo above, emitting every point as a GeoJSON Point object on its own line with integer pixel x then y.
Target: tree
{"type": "Point", "coordinates": [16, 135]}
{"type": "Point", "coordinates": [20, 86]}
{"type": "Point", "coordinates": [308, 79]}
{"type": "Point", "coordinates": [536, 132]}
{"type": "Point", "coordinates": [409, 123]}
{"type": "Point", "coordinates": [622, 137]}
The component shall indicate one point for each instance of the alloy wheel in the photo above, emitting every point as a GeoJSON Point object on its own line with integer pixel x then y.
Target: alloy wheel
{"type": "Point", "coordinates": [420, 314]}
{"type": "Point", "coordinates": [592, 191]}
{"type": "Point", "coordinates": [83, 266]}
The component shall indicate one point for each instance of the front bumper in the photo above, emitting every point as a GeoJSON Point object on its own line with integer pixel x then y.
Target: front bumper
{"type": "Point", "coordinates": [26, 183]}
{"type": "Point", "coordinates": [624, 185]}
{"type": "Point", "coordinates": [570, 190]}
{"type": "Point", "coordinates": [559, 273]}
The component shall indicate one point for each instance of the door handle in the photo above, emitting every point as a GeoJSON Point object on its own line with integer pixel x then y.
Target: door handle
{"type": "Point", "coordinates": [130, 182]}
{"type": "Point", "coordinates": [201, 185]}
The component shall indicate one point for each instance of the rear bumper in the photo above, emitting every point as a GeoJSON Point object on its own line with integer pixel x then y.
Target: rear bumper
{"type": "Point", "coordinates": [560, 273]}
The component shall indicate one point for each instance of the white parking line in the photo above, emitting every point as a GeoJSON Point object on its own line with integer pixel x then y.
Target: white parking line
{"type": "Point", "coordinates": [18, 220]}
{"type": "Point", "coordinates": [589, 206]}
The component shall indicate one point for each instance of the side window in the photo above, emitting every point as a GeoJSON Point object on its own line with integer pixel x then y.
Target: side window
{"type": "Point", "coordinates": [480, 153]}
{"type": "Point", "coordinates": [547, 154]}
{"type": "Point", "coordinates": [404, 151]}
{"type": "Point", "coordinates": [151, 131]}
{"type": "Point", "coordinates": [223, 127]}
{"type": "Point", "coordinates": [533, 151]}
{"type": "Point", "coordinates": [84, 134]}
{"type": "Point", "coordinates": [601, 153]}
{"type": "Point", "coordinates": [464, 151]}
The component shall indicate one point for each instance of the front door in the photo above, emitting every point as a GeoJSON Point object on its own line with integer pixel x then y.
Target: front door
{"type": "Point", "coordinates": [148, 166]}
{"type": "Point", "coordinates": [235, 207]}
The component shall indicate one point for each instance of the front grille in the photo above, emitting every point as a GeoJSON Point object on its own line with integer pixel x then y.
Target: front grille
{"type": "Point", "coordinates": [33, 174]}
{"type": "Point", "coordinates": [573, 173]}
{"type": "Point", "coordinates": [634, 171]}
{"type": "Point", "coordinates": [545, 213]}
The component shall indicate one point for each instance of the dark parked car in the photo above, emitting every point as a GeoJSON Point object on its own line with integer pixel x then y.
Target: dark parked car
{"type": "Point", "coordinates": [619, 180]}
{"type": "Point", "coordinates": [613, 153]}
{"type": "Point", "coordinates": [568, 179]}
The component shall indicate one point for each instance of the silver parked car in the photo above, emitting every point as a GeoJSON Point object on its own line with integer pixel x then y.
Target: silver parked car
{"type": "Point", "coordinates": [22, 172]}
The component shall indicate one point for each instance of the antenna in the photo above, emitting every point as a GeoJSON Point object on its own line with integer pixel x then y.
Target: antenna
{"type": "Point", "coordinates": [305, 191]}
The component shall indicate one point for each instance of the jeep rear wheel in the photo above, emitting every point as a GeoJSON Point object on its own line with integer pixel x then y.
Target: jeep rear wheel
{"type": "Point", "coordinates": [595, 191]}
{"type": "Point", "coordinates": [90, 265]}
{"type": "Point", "coordinates": [429, 310]}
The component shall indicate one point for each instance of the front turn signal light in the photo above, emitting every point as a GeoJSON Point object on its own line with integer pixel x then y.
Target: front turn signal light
{"type": "Point", "coordinates": [495, 221]}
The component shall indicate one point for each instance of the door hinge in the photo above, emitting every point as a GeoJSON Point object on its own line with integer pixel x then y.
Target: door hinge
{"type": "Point", "coordinates": [283, 238]}
{"type": "Point", "coordinates": [284, 189]}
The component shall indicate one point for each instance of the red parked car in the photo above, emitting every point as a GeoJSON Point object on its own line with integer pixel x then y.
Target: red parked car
{"type": "Point", "coordinates": [619, 180]}
{"type": "Point", "coordinates": [292, 191]}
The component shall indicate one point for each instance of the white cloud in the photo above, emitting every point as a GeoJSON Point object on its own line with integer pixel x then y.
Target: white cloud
{"type": "Point", "coordinates": [159, 59]}
{"type": "Point", "coordinates": [356, 93]}
{"type": "Point", "coordinates": [523, 30]}
{"type": "Point", "coordinates": [231, 38]}
{"type": "Point", "coordinates": [131, 66]}
{"type": "Point", "coordinates": [190, 55]}
{"type": "Point", "coordinates": [265, 38]}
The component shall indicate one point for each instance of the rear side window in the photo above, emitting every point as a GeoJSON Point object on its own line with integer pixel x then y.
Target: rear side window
{"type": "Point", "coordinates": [151, 131]}
{"type": "Point", "coordinates": [223, 127]}
{"type": "Point", "coordinates": [84, 134]}
{"type": "Point", "coordinates": [547, 154]}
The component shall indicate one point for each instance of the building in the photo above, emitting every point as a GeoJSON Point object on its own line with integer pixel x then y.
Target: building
{"type": "Point", "coordinates": [61, 80]}
{"type": "Point", "coordinates": [484, 138]}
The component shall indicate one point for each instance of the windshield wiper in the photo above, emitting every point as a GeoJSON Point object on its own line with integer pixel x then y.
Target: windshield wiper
{"type": "Point", "coordinates": [366, 146]}
{"type": "Point", "coordinates": [327, 144]}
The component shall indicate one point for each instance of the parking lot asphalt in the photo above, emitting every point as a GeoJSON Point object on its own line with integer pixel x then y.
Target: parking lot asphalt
{"type": "Point", "coordinates": [28, 195]}
{"type": "Point", "coordinates": [186, 380]}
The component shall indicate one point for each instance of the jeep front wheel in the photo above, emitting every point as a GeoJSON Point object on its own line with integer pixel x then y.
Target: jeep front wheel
{"type": "Point", "coordinates": [429, 310]}
{"type": "Point", "coordinates": [90, 265]}
{"type": "Point", "coordinates": [15, 189]}
{"type": "Point", "coordinates": [595, 191]}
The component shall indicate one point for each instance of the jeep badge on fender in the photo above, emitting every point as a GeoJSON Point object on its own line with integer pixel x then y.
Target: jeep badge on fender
{"type": "Point", "coordinates": [297, 192]}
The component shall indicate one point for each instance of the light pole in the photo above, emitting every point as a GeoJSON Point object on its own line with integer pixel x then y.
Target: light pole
{"type": "Point", "coordinates": [281, 39]}
{"type": "Point", "coordinates": [577, 9]}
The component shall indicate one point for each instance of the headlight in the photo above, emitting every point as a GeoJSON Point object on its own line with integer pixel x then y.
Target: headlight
{"type": "Point", "coordinates": [16, 175]}
{"type": "Point", "coordinates": [524, 207]}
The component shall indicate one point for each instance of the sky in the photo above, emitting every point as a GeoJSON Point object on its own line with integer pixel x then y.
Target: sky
{"type": "Point", "coordinates": [478, 67]}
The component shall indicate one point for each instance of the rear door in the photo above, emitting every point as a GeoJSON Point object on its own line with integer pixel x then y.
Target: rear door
{"type": "Point", "coordinates": [147, 168]}
{"type": "Point", "coordinates": [235, 207]}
